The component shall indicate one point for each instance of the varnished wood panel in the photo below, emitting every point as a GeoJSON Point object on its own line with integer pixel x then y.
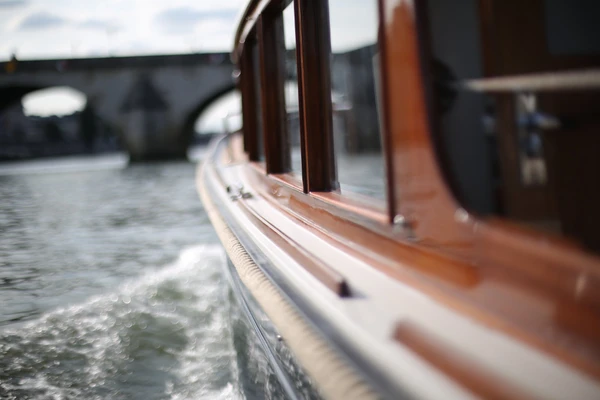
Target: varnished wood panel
{"type": "Point", "coordinates": [314, 86]}
{"type": "Point", "coordinates": [473, 265]}
{"type": "Point", "coordinates": [466, 372]}
{"type": "Point", "coordinates": [272, 55]}
{"type": "Point", "coordinates": [420, 195]}
{"type": "Point", "coordinates": [249, 107]}
{"type": "Point", "coordinates": [497, 292]}
{"type": "Point", "coordinates": [327, 276]}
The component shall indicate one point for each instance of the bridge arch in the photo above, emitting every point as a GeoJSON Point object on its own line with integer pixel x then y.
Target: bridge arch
{"type": "Point", "coordinates": [188, 131]}
{"type": "Point", "coordinates": [186, 83]}
{"type": "Point", "coordinates": [51, 120]}
{"type": "Point", "coordinates": [12, 94]}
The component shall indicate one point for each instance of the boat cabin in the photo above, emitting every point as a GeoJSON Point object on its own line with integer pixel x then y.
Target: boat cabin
{"type": "Point", "coordinates": [417, 179]}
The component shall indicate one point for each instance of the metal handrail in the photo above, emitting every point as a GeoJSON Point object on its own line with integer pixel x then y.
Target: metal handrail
{"type": "Point", "coordinates": [588, 79]}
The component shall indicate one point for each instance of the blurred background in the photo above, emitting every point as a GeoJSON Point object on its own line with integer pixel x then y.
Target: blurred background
{"type": "Point", "coordinates": [110, 283]}
{"type": "Point", "coordinates": [96, 70]}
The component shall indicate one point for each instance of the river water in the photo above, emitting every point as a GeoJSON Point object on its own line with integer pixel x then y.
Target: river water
{"type": "Point", "coordinates": [111, 287]}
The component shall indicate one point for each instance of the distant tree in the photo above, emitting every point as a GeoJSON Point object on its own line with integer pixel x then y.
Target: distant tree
{"type": "Point", "coordinates": [88, 129]}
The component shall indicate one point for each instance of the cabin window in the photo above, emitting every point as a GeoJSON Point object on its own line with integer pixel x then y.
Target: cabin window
{"type": "Point", "coordinates": [291, 90]}
{"type": "Point", "coordinates": [355, 96]}
{"type": "Point", "coordinates": [513, 140]}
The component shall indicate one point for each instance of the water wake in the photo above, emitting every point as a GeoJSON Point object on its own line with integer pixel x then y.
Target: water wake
{"type": "Point", "coordinates": [165, 335]}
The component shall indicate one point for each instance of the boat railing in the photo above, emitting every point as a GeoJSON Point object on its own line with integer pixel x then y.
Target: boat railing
{"type": "Point", "coordinates": [420, 196]}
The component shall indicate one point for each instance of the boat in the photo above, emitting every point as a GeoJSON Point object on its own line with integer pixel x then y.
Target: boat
{"type": "Point", "coordinates": [419, 217]}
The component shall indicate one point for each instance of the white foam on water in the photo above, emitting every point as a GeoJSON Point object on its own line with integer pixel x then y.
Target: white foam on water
{"type": "Point", "coordinates": [165, 335]}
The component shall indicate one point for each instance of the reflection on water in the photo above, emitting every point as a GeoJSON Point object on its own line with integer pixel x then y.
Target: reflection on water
{"type": "Point", "coordinates": [111, 287]}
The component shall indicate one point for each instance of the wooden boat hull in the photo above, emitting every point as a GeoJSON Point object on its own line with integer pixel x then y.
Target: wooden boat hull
{"type": "Point", "coordinates": [449, 281]}
{"type": "Point", "coordinates": [366, 336]}
{"type": "Point", "coordinates": [265, 292]}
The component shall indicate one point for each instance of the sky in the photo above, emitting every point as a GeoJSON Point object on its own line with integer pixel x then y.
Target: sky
{"type": "Point", "coordinates": [60, 100]}
{"type": "Point", "coordinates": [34, 29]}
{"type": "Point", "coordinates": [37, 29]}
{"type": "Point", "coordinates": [87, 28]}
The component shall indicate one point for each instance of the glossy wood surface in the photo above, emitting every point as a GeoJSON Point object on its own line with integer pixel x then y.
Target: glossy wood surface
{"type": "Point", "coordinates": [328, 277]}
{"type": "Point", "coordinates": [274, 115]}
{"type": "Point", "coordinates": [247, 22]}
{"type": "Point", "coordinates": [249, 107]}
{"type": "Point", "coordinates": [511, 303]}
{"type": "Point", "coordinates": [314, 85]}
{"type": "Point", "coordinates": [468, 373]}
{"type": "Point", "coordinates": [541, 290]}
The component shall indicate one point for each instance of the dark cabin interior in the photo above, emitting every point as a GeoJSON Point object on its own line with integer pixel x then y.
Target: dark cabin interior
{"type": "Point", "coordinates": [530, 155]}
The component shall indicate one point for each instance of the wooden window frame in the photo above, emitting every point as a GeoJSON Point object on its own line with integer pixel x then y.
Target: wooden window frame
{"type": "Point", "coordinates": [444, 242]}
{"type": "Point", "coordinates": [272, 55]}
{"type": "Point", "coordinates": [248, 89]}
{"type": "Point", "coordinates": [313, 49]}
{"type": "Point", "coordinates": [319, 178]}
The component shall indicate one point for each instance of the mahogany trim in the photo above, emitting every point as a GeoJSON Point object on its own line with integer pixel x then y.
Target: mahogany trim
{"type": "Point", "coordinates": [272, 55]}
{"type": "Point", "coordinates": [353, 205]}
{"type": "Point", "coordinates": [465, 371]}
{"type": "Point", "coordinates": [330, 278]}
{"type": "Point", "coordinates": [313, 51]}
{"type": "Point", "coordinates": [427, 201]}
{"type": "Point", "coordinates": [358, 231]}
{"type": "Point", "coordinates": [386, 136]}
{"type": "Point", "coordinates": [248, 90]}
{"type": "Point", "coordinates": [247, 22]}
{"type": "Point", "coordinates": [484, 293]}
{"type": "Point", "coordinates": [289, 180]}
{"type": "Point", "coordinates": [444, 236]}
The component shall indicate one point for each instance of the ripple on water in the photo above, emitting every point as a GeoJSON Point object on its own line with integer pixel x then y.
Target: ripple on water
{"type": "Point", "coordinates": [164, 335]}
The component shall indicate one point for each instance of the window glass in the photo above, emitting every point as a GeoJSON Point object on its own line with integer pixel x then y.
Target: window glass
{"type": "Point", "coordinates": [513, 142]}
{"type": "Point", "coordinates": [291, 89]}
{"type": "Point", "coordinates": [355, 96]}
{"type": "Point", "coordinates": [570, 26]}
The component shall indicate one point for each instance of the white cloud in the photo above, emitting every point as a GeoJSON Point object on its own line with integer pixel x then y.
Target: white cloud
{"type": "Point", "coordinates": [41, 20]}
{"type": "Point", "coordinates": [5, 4]}
{"type": "Point", "coordinates": [99, 24]}
{"type": "Point", "coordinates": [83, 28]}
{"type": "Point", "coordinates": [75, 28]}
{"type": "Point", "coordinates": [185, 19]}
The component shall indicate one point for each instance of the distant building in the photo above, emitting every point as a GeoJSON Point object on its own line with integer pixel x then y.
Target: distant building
{"type": "Point", "coordinates": [23, 136]}
{"type": "Point", "coordinates": [16, 127]}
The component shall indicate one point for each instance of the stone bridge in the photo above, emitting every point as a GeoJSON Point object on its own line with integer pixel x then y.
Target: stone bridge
{"type": "Point", "coordinates": [153, 101]}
